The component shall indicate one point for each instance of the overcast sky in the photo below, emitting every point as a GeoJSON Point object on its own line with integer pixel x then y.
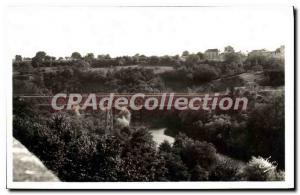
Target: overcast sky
{"type": "Point", "coordinates": [151, 31]}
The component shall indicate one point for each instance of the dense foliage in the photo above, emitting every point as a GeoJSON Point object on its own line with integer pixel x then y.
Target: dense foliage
{"type": "Point", "coordinates": [77, 148]}
{"type": "Point", "coordinates": [77, 154]}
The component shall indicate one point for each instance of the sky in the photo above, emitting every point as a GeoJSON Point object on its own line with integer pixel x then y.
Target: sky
{"type": "Point", "coordinates": [118, 31]}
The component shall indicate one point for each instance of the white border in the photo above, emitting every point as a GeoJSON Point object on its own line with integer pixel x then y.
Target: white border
{"type": "Point", "coordinates": [289, 141]}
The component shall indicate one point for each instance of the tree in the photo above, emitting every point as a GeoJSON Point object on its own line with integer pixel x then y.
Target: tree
{"type": "Point", "coordinates": [232, 58]}
{"type": "Point", "coordinates": [199, 174]}
{"type": "Point", "coordinates": [25, 67]}
{"type": "Point", "coordinates": [195, 153]}
{"type": "Point", "coordinates": [40, 55]}
{"type": "Point", "coordinates": [256, 59]}
{"type": "Point", "coordinates": [81, 65]}
{"type": "Point", "coordinates": [38, 59]}
{"type": "Point", "coordinates": [204, 72]}
{"type": "Point", "coordinates": [140, 162]}
{"type": "Point", "coordinates": [89, 57]}
{"type": "Point", "coordinates": [154, 60]}
{"type": "Point", "coordinates": [121, 61]}
{"type": "Point", "coordinates": [76, 56]}
{"type": "Point", "coordinates": [177, 170]}
{"type": "Point", "coordinates": [49, 58]}
{"type": "Point", "coordinates": [192, 59]}
{"type": "Point", "coordinates": [185, 54]}
{"type": "Point", "coordinates": [108, 159]}
{"type": "Point", "coordinates": [260, 169]}
{"type": "Point", "coordinates": [165, 147]}
{"type": "Point", "coordinates": [226, 169]}
{"type": "Point", "coordinates": [201, 55]}
{"type": "Point", "coordinates": [18, 58]}
{"type": "Point", "coordinates": [100, 57]}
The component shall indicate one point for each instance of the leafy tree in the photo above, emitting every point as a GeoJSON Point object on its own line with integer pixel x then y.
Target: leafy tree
{"type": "Point", "coordinates": [260, 169]}
{"type": "Point", "coordinates": [204, 73]}
{"type": "Point", "coordinates": [38, 59]}
{"type": "Point", "coordinates": [232, 58]}
{"type": "Point", "coordinates": [40, 55]}
{"type": "Point", "coordinates": [185, 54]}
{"type": "Point", "coordinates": [226, 169]}
{"type": "Point", "coordinates": [256, 59]}
{"type": "Point", "coordinates": [76, 56]}
{"type": "Point", "coordinates": [199, 174]}
{"type": "Point", "coordinates": [140, 161]}
{"type": "Point", "coordinates": [154, 60]}
{"type": "Point", "coordinates": [81, 65]}
{"type": "Point", "coordinates": [25, 67]}
{"type": "Point", "coordinates": [195, 153]}
{"type": "Point", "coordinates": [18, 58]}
{"type": "Point", "coordinates": [89, 57]}
{"type": "Point", "coordinates": [192, 59]}
{"type": "Point", "coordinates": [22, 109]}
{"type": "Point", "coordinates": [177, 170]}
{"type": "Point", "coordinates": [134, 80]}
{"type": "Point", "coordinates": [201, 55]}
{"type": "Point", "coordinates": [108, 160]}
{"type": "Point", "coordinates": [165, 147]}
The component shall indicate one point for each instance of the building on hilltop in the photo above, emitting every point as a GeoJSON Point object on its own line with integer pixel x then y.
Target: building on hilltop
{"type": "Point", "coordinates": [278, 53]}
{"type": "Point", "coordinates": [212, 54]}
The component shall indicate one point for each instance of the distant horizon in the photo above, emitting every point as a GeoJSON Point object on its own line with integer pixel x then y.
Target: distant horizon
{"type": "Point", "coordinates": [161, 55]}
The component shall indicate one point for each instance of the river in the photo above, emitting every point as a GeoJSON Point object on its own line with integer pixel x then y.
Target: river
{"type": "Point", "coordinates": [159, 136]}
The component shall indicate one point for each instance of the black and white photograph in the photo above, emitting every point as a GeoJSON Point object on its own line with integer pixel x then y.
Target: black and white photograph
{"type": "Point", "coordinates": [150, 97]}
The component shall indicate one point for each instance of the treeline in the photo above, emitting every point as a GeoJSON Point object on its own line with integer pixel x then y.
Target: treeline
{"type": "Point", "coordinates": [250, 62]}
{"type": "Point", "coordinates": [41, 59]}
{"type": "Point", "coordinates": [192, 69]}
{"type": "Point", "coordinates": [76, 80]}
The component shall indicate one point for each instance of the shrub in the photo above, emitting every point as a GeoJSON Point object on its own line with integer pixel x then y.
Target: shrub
{"type": "Point", "coordinates": [260, 169]}
{"type": "Point", "coordinates": [226, 169]}
{"type": "Point", "coordinates": [177, 170]}
{"type": "Point", "coordinates": [140, 161]}
{"type": "Point", "coordinates": [199, 174]}
{"type": "Point", "coordinates": [194, 153]}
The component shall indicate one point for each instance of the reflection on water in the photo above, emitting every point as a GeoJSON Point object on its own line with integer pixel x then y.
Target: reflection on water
{"type": "Point", "coordinates": [159, 136]}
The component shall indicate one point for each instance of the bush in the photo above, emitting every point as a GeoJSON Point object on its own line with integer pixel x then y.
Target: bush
{"type": "Point", "coordinates": [225, 170]}
{"type": "Point", "coordinates": [177, 170]}
{"type": "Point", "coordinates": [204, 73]}
{"type": "Point", "coordinates": [140, 161]}
{"type": "Point", "coordinates": [133, 80]}
{"type": "Point", "coordinates": [260, 169]}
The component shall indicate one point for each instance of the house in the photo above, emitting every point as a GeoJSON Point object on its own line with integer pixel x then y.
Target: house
{"type": "Point", "coordinates": [212, 54]}
{"type": "Point", "coordinates": [278, 53]}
